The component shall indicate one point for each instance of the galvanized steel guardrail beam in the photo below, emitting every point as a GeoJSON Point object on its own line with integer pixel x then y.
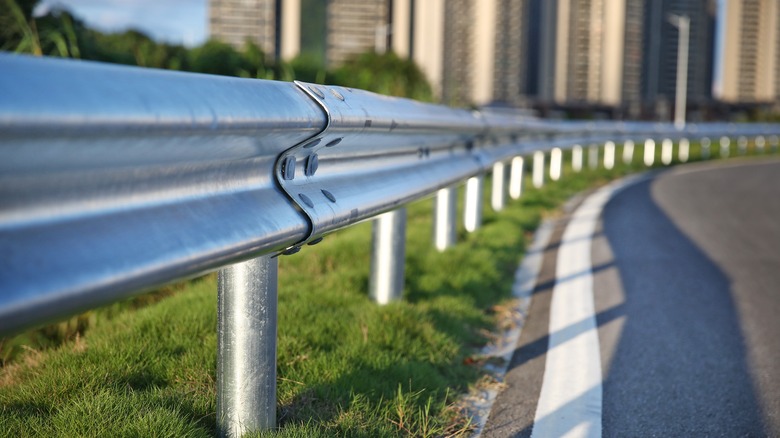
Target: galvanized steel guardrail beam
{"type": "Point", "coordinates": [117, 179]}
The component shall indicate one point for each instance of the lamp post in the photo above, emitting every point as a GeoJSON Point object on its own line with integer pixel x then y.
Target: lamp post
{"type": "Point", "coordinates": [683, 24]}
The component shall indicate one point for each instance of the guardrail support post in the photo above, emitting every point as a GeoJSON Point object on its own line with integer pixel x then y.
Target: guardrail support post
{"type": "Point", "coordinates": [576, 158]}
{"type": "Point", "coordinates": [444, 225]}
{"type": "Point", "coordinates": [705, 148]}
{"type": "Point", "coordinates": [649, 152]}
{"type": "Point", "coordinates": [516, 178]}
{"type": "Point", "coordinates": [556, 157]}
{"type": "Point", "coordinates": [725, 147]}
{"type": "Point", "coordinates": [667, 150]}
{"type": "Point", "coordinates": [683, 150]}
{"type": "Point", "coordinates": [609, 155]}
{"type": "Point", "coordinates": [388, 256]}
{"type": "Point", "coordinates": [628, 152]}
{"type": "Point", "coordinates": [760, 143]}
{"type": "Point", "coordinates": [538, 176]}
{"type": "Point", "coordinates": [593, 156]}
{"type": "Point", "coordinates": [246, 347]}
{"type": "Point", "coordinates": [742, 145]}
{"type": "Point", "coordinates": [498, 194]}
{"type": "Point", "coordinates": [473, 206]}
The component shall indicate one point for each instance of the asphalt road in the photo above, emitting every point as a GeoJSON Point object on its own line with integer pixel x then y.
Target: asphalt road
{"type": "Point", "coordinates": [686, 292]}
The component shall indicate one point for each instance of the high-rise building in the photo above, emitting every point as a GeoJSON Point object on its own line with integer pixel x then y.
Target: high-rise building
{"type": "Point", "coordinates": [274, 25]}
{"type": "Point", "coordinates": [750, 57]}
{"type": "Point", "coordinates": [473, 51]}
{"type": "Point", "coordinates": [511, 60]}
{"type": "Point", "coordinates": [235, 21]}
{"type": "Point", "coordinates": [587, 49]}
{"type": "Point", "coordinates": [659, 69]}
{"type": "Point", "coordinates": [355, 26]}
{"type": "Point", "coordinates": [632, 57]}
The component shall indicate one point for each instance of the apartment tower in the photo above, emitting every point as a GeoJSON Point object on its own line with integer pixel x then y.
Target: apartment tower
{"type": "Point", "coordinates": [660, 47]}
{"type": "Point", "coordinates": [589, 52]}
{"type": "Point", "coordinates": [750, 57]}
{"type": "Point", "coordinates": [274, 25]}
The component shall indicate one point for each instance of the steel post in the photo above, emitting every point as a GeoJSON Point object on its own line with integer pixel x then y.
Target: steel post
{"type": "Point", "coordinates": [498, 194]}
{"type": "Point", "coordinates": [667, 151]}
{"type": "Point", "coordinates": [742, 145]}
{"type": "Point", "coordinates": [760, 143]}
{"type": "Point", "coordinates": [516, 178]}
{"type": "Point", "coordinates": [705, 148]}
{"type": "Point", "coordinates": [388, 255]}
{"type": "Point", "coordinates": [609, 155]}
{"type": "Point", "coordinates": [556, 158]}
{"type": "Point", "coordinates": [649, 152]}
{"type": "Point", "coordinates": [725, 147]}
{"type": "Point", "coordinates": [444, 225]}
{"type": "Point", "coordinates": [683, 150]}
{"type": "Point", "coordinates": [576, 158]}
{"type": "Point", "coordinates": [246, 347]}
{"type": "Point", "coordinates": [628, 152]}
{"type": "Point", "coordinates": [538, 172]}
{"type": "Point", "coordinates": [593, 156]}
{"type": "Point", "coordinates": [473, 205]}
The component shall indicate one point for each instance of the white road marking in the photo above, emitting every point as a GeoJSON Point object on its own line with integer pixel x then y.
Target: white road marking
{"type": "Point", "coordinates": [570, 399]}
{"type": "Point", "coordinates": [523, 288]}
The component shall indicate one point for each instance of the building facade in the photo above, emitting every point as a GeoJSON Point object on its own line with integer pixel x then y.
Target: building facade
{"type": "Point", "coordinates": [659, 69]}
{"type": "Point", "coordinates": [589, 56]}
{"type": "Point", "coordinates": [274, 25]}
{"type": "Point", "coordinates": [355, 26]}
{"type": "Point", "coordinates": [618, 54]}
{"type": "Point", "coordinates": [750, 58]}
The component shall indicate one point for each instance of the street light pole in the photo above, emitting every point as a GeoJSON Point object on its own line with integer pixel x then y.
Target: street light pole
{"type": "Point", "coordinates": [682, 23]}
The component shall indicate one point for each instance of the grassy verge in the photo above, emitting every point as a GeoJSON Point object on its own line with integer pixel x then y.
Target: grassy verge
{"type": "Point", "coordinates": [346, 366]}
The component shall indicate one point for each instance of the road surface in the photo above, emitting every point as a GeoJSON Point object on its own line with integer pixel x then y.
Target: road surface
{"type": "Point", "coordinates": [663, 320]}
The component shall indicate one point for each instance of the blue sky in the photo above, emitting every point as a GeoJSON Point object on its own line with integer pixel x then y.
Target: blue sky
{"type": "Point", "coordinates": [174, 21]}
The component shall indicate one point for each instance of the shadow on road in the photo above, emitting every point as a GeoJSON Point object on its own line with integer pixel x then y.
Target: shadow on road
{"type": "Point", "coordinates": [680, 366]}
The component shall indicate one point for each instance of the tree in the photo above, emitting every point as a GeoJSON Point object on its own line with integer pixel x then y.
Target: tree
{"type": "Point", "coordinates": [386, 74]}
{"type": "Point", "coordinates": [215, 57]}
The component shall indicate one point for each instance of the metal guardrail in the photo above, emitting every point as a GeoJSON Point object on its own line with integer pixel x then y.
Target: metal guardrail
{"type": "Point", "coordinates": [117, 179]}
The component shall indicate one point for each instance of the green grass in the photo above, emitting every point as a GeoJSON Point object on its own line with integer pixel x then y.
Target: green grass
{"type": "Point", "coordinates": [346, 367]}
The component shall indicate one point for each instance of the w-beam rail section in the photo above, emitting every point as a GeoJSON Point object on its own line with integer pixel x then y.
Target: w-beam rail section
{"type": "Point", "coordinates": [116, 179]}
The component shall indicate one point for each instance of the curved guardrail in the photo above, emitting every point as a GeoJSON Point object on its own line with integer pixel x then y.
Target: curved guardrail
{"type": "Point", "coordinates": [116, 179]}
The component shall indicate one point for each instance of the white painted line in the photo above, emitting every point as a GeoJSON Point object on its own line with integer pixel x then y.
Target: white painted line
{"type": "Point", "coordinates": [570, 400]}
{"type": "Point", "coordinates": [522, 289]}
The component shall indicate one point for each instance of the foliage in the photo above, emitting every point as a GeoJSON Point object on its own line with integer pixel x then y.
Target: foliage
{"type": "Point", "coordinates": [60, 34]}
{"type": "Point", "coordinates": [385, 74]}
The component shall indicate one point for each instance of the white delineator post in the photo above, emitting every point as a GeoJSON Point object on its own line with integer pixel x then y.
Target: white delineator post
{"type": "Point", "coordinates": [556, 159]}
{"type": "Point", "coordinates": [609, 155]}
{"type": "Point", "coordinates": [516, 178]}
{"type": "Point", "coordinates": [667, 151]}
{"type": "Point", "coordinates": [498, 193]}
{"type": "Point", "coordinates": [538, 176]}
{"type": "Point", "coordinates": [576, 158]}
{"type": "Point", "coordinates": [628, 152]}
{"type": "Point", "coordinates": [649, 152]}
{"type": "Point", "coordinates": [473, 205]}
{"type": "Point", "coordinates": [444, 225]}
{"type": "Point", "coordinates": [683, 151]}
